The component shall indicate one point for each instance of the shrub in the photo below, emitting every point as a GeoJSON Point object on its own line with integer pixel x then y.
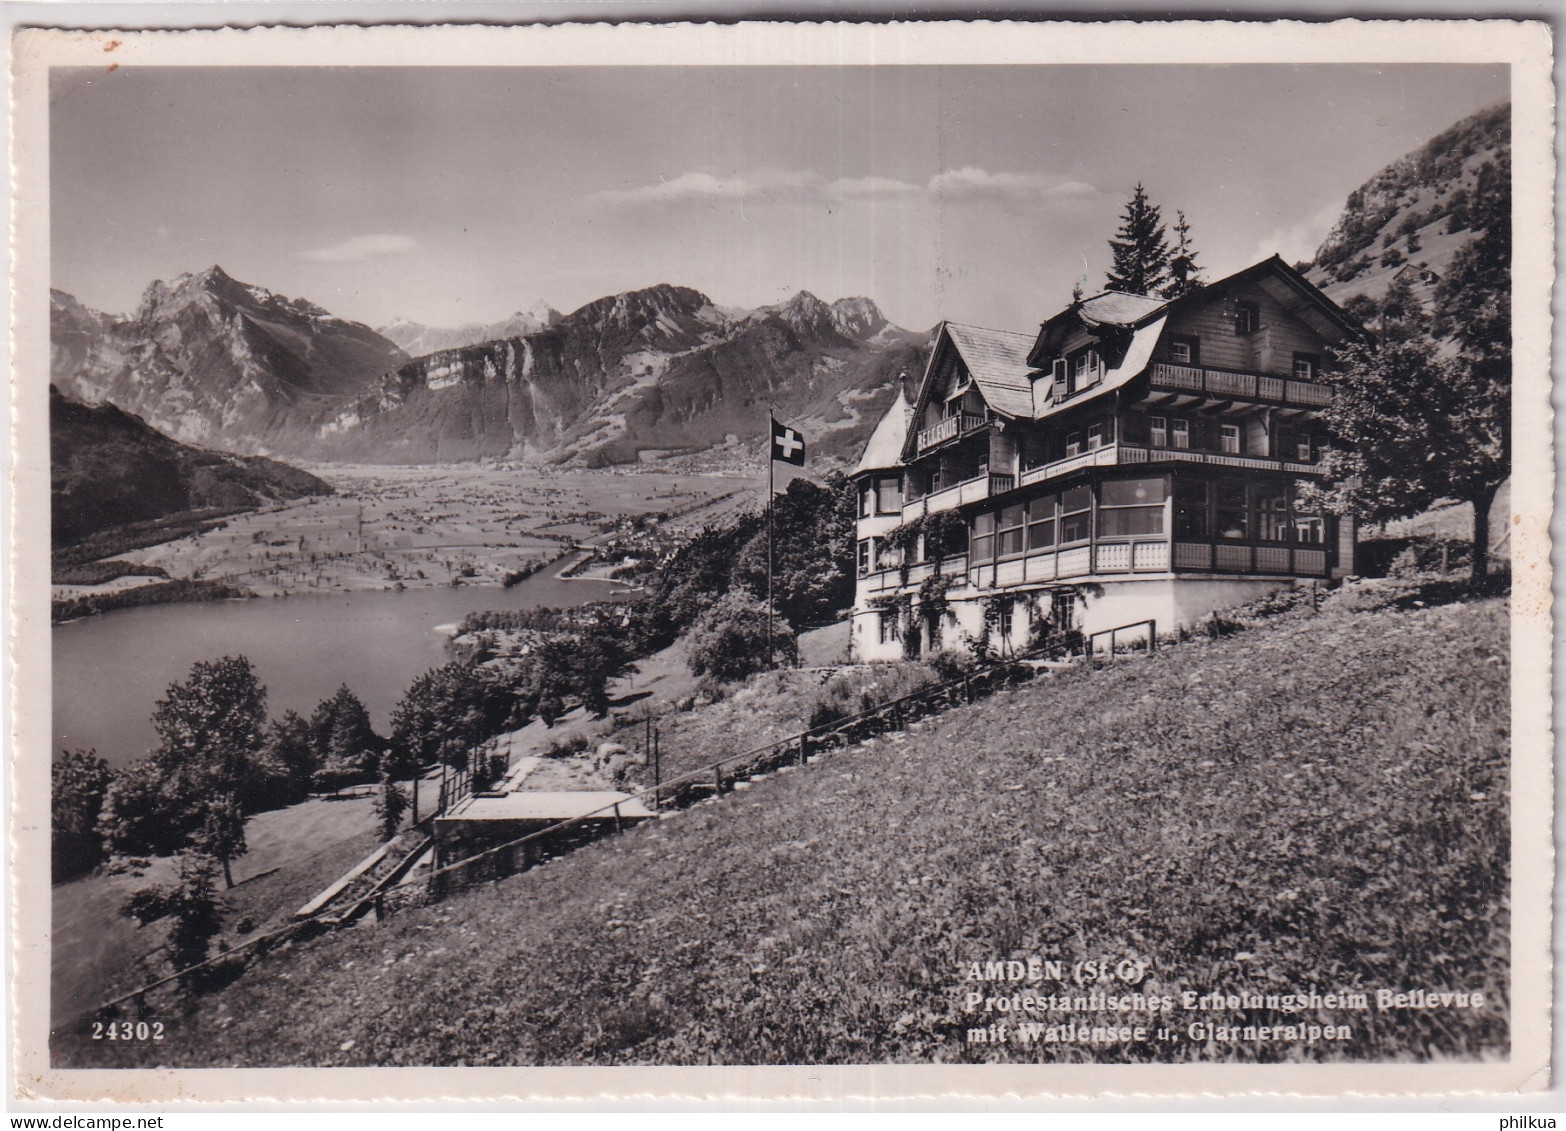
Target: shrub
{"type": "Point", "coordinates": [729, 640]}
{"type": "Point", "coordinates": [390, 805]}
{"type": "Point", "coordinates": [566, 747]}
{"type": "Point", "coordinates": [858, 690]}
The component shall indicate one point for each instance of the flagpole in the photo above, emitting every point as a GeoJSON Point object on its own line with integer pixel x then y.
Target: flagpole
{"type": "Point", "coordinates": [770, 465]}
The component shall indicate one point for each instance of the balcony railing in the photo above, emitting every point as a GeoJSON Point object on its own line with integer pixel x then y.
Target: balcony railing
{"type": "Point", "coordinates": [1118, 454]}
{"type": "Point", "coordinates": [1246, 386]}
{"type": "Point", "coordinates": [950, 428]}
{"type": "Point", "coordinates": [1107, 456]}
{"type": "Point", "coordinates": [971, 491]}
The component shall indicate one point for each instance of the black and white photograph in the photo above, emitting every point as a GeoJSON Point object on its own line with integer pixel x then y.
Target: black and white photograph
{"type": "Point", "coordinates": [1028, 562]}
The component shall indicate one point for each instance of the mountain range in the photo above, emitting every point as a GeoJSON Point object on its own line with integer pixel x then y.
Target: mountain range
{"type": "Point", "coordinates": [416, 339]}
{"type": "Point", "coordinates": [635, 376]}
{"type": "Point", "coordinates": [212, 361]}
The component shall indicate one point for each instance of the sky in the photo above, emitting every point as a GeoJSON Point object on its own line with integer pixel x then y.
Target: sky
{"type": "Point", "coordinates": [450, 194]}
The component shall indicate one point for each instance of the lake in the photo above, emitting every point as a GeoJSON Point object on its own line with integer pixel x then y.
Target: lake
{"type": "Point", "coordinates": [110, 670]}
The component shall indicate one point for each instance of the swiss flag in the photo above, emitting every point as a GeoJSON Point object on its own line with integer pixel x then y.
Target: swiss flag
{"type": "Point", "coordinates": [788, 445]}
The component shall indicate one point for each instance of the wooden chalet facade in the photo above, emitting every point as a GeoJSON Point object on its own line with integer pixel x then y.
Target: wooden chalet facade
{"type": "Point", "coordinates": [1136, 459]}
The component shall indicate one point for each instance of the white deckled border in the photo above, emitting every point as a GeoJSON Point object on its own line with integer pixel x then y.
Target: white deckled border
{"type": "Point", "coordinates": [1526, 47]}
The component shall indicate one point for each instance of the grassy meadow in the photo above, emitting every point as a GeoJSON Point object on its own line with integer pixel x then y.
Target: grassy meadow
{"type": "Point", "coordinates": [1319, 802]}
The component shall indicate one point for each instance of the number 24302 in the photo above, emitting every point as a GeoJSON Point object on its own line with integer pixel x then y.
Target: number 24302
{"type": "Point", "coordinates": [127, 1030]}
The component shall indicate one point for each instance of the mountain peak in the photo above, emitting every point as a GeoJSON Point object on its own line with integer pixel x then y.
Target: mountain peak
{"type": "Point", "coordinates": [853, 318]}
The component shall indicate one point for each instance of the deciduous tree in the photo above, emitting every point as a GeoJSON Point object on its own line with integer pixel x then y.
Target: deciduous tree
{"type": "Point", "coordinates": [79, 782]}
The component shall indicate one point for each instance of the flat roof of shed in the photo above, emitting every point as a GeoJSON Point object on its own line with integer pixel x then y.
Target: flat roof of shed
{"type": "Point", "coordinates": [527, 805]}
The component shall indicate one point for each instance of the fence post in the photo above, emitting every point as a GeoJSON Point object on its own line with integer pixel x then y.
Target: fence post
{"type": "Point", "coordinates": [657, 768]}
{"type": "Point", "coordinates": [717, 781]}
{"type": "Point", "coordinates": [618, 826]}
{"type": "Point", "coordinates": [1152, 637]}
{"type": "Point", "coordinates": [804, 748]}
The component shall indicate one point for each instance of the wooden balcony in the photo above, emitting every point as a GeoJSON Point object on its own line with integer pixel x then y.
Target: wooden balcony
{"type": "Point", "coordinates": [1242, 557]}
{"type": "Point", "coordinates": [886, 581]}
{"type": "Point", "coordinates": [1112, 455]}
{"type": "Point", "coordinates": [951, 428]}
{"type": "Point", "coordinates": [974, 490]}
{"type": "Point", "coordinates": [1107, 456]}
{"type": "Point", "coordinates": [1234, 385]}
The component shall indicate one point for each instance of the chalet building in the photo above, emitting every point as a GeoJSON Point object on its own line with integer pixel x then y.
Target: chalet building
{"type": "Point", "coordinates": [1137, 458]}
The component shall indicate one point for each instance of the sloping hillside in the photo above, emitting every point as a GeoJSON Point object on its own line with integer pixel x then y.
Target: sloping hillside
{"type": "Point", "coordinates": [108, 468]}
{"type": "Point", "coordinates": [1319, 803]}
{"type": "Point", "coordinates": [1412, 217]}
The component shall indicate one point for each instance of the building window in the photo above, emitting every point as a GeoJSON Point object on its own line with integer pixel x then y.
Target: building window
{"type": "Point", "coordinates": [1190, 509]}
{"type": "Point", "coordinates": [1182, 433]}
{"type": "Point", "coordinates": [1184, 350]}
{"type": "Point", "coordinates": [1158, 431]}
{"type": "Point", "coordinates": [1073, 444]}
{"type": "Point", "coordinates": [864, 556]}
{"type": "Point", "coordinates": [1006, 610]}
{"type": "Point", "coordinates": [1302, 447]}
{"type": "Point", "coordinates": [982, 543]}
{"type": "Point", "coordinates": [1095, 437]}
{"type": "Point", "coordinates": [1041, 523]}
{"type": "Point", "coordinates": [1308, 529]}
{"type": "Point", "coordinates": [888, 494]}
{"type": "Point", "coordinates": [1131, 507]}
{"type": "Point", "coordinates": [1247, 318]}
{"type": "Point", "coordinates": [1085, 371]}
{"type": "Point", "coordinates": [886, 627]}
{"type": "Point", "coordinates": [1272, 514]}
{"type": "Point", "coordinates": [1009, 530]}
{"type": "Point", "coordinates": [1076, 520]}
{"type": "Point", "coordinates": [1230, 509]}
{"type": "Point", "coordinates": [1306, 366]}
{"type": "Point", "coordinates": [1229, 438]}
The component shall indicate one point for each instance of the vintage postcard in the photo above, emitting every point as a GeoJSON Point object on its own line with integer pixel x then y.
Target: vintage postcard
{"type": "Point", "coordinates": [989, 559]}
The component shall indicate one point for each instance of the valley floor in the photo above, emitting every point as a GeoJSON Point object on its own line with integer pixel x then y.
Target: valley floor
{"type": "Point", "coordinates": [1319, 803]}
{"type": "Point", "coordinates": [423, 526]}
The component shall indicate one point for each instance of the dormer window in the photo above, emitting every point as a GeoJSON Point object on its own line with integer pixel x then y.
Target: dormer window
{"type": "Point", "coordinates": [1247, 318]}
{"type": "Point", "coordinates": [1085, 369]}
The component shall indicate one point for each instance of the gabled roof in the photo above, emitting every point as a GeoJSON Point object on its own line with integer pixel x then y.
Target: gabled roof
{"type": "Point", "coordinates": [1116, 308]}
{"type": "Point", "coordinates": [1112, 308]}
{"type": "Point", "coordinates": [885, 446]}
{"type": "Point", "coordinates": [997, 360]}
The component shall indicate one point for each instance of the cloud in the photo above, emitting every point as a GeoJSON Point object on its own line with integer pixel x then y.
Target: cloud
{"type": "Point", "coordinates": [967, 183]}
{"type": "Point", "coordinates": [971, 183]}
{"type": "Point", "coordinates": [1299, 241]}
{"type": "Point", "coordinates": [362, 247]}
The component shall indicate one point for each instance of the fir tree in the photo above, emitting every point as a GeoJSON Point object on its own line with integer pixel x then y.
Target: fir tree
{"type": "Point", "coordinates": [1140, 248]}
{"type": "Point", "coordinates": [1185, 275]}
